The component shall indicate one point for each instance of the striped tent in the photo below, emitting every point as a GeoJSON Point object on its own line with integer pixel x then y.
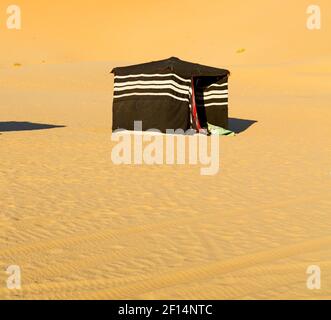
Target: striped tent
{"type": "Point", "coordinates": [170, 94]}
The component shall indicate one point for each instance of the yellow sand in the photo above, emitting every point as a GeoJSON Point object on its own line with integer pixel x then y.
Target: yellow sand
{"type": "Point", "coordinates": [80, 227]}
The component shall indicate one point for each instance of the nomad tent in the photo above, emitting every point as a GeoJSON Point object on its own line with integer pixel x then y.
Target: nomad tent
{"type": "Point", "coordinates": [170, 94]}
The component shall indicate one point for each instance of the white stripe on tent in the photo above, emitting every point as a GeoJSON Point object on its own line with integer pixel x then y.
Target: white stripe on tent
{"type": "Point", "coordinates": [142, 82]}
{"type": "Point", "coordinates": [218, 85]}
{"type": "Point", "coordinates": [152, 75]}
{"type": "Point", "coordinates": [216, 104]}
{"type": "Point", "coordinates": [209, 93]}
{"type": "Point", "coordinates": [152, 87]}
{"type": "Point", "coordinates": [150, 94]}
{"type": "Point", "coordinates": [221, 96]}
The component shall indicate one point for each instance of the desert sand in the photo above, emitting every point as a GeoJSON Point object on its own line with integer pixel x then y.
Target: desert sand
{"type": "Point", "coordinates": [82, 228]}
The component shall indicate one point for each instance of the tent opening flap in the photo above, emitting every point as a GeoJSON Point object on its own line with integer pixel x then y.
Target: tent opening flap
{"type": "Point", "coordinates": [211, 97]}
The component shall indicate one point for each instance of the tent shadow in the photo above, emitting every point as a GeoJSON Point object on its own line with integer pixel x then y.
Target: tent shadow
{"type": "Point", "coordinates": [240, 125]}
{"type": "Point", "coordinates": [25, 126]}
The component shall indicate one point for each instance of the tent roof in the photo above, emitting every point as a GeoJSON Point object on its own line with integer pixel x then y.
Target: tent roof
{"type": "Point", "coordinates": [173, 65]}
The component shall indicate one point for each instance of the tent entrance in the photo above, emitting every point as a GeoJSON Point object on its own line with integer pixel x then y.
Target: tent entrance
{"type": "Point", "coordinates": [210, 101]}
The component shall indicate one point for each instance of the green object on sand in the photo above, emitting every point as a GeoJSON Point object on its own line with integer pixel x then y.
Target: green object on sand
{"type": "Point", "coordinates": [219, 131]}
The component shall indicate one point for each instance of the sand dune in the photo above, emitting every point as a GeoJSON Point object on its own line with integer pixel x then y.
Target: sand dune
{"type": "Point", "coordinates": [80, 227]}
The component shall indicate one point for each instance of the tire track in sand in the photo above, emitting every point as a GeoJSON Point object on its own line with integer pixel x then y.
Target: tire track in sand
{"type": "Point", "coordinates": [107, 234]}
{"type": "Point", "coordinates": [86, 288]}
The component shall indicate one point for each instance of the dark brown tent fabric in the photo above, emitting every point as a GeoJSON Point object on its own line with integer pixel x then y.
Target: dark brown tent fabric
{"type": "Point", "coordinates": [182, 68]}
{"type": "Point", "coordinates": [159, 94]}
